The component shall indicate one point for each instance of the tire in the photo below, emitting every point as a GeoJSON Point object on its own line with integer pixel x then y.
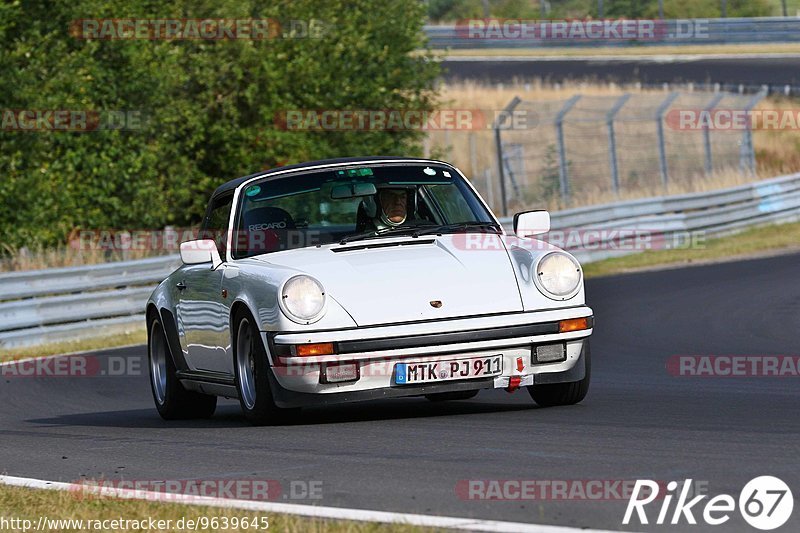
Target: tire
{"type": "Point", "coordinates": [452, 396]}
{"type": "Point", "coordinates": [172, 400]}
{"type": "Point", "coordinates": [251, 368]}
{"type": "Point", "coordinates": [570, 393]}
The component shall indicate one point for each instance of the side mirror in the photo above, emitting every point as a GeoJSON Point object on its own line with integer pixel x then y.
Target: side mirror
{"type": "Point", "coordinates": [352, 190]}
{"type": "Point", "coordinates": [199, 252]}
{"type": "Point", "coordinates": [530, 223]}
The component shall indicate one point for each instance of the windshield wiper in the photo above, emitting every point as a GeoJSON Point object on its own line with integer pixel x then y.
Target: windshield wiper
{"type": "Point", "coordinates": [379, 233]}
{"type": "Point", "coordinates": [459, 226]}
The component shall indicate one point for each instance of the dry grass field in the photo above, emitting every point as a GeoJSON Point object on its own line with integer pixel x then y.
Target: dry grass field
{"type": "Point", "coordinates": [777, 151]}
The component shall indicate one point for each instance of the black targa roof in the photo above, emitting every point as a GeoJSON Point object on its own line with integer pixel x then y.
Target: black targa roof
{"type": "Point", "coordinates": [231, 185]}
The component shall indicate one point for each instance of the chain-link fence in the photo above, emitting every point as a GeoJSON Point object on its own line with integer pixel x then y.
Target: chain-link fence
{"type": "Point", "coordinates": [588, 146]}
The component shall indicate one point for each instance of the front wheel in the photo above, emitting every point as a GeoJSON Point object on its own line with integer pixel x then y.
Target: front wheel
{"type": "Point", "coordinates": [252, 375]}
{"type": "Point", "coordinates": [570, 393]}
{"type": "Point", "coordinates": [173, 402]}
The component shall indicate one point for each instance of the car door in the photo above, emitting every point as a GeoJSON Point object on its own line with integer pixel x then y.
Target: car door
{"type": "Point", "coordinates": [202, 308]}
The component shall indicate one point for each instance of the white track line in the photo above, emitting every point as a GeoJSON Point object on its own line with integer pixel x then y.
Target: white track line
{"type": "Point", "coordinates": [335, 513]}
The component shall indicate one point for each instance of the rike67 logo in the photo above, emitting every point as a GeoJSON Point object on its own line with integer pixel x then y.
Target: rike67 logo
{"type": "Point", "coordinates": [765, 503]}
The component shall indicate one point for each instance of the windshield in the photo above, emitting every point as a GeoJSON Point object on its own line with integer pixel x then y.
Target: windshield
{"type": "Point", "coordinates": [353, 203]}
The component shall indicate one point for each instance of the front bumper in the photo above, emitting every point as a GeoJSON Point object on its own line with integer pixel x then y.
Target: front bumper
{"type": "Point", "coordinates": [296, 381]}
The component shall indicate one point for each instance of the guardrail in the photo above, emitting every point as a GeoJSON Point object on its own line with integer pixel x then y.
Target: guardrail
{"type": "Point", "coordinates": [669, 32]}
{"type": "Point", "coordinates": [599, 232]}
{"type": "Point", "coordinates": [42, 306]}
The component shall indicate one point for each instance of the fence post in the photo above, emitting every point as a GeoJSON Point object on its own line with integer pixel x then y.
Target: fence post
{"type": "Point", "coordinates": [514, 152]}
{"type": "Point", "coordinates": [473, 155]}
{"type": "Point", "coordinates": [707, 132]}
{"type": "Point", "coordinates": [612, 140]}
{"type": "Point", "coordinates": [498, 125]}
{"type": "Point", "coordinates": [563, 174]}
{"type": "Point", "coordinates": [747, 155]}
{"type": "Point", "coordinates": [662, 147]}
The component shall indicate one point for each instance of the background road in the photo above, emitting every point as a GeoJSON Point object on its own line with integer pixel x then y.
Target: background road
{"type": "Point", "coordinates": [776, 71]}
{"type": "Point", "coordinates": [408, 455]}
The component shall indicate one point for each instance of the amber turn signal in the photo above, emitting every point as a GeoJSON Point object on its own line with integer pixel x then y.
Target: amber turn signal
{"type": "Point", "coordinates": [573, 324]}
{"type": "Point", "coordinates": [308, 350]}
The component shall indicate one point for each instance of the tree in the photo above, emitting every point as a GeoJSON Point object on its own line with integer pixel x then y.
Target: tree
{"type": "Point", "coordinates": [208, 108]}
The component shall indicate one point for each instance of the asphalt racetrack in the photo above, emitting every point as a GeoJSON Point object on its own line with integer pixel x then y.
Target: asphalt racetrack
{"type": "Point", "coordinates": [749, 71]}
{"type": "Point", "coordinates": [638, 421]}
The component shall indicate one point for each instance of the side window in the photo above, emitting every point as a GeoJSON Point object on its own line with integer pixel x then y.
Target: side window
{"type": "Point", "coordinates": [215, 224]}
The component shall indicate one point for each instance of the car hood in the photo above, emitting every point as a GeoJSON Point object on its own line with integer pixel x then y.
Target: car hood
{"type": "Point", "coordinates": [409, 279]}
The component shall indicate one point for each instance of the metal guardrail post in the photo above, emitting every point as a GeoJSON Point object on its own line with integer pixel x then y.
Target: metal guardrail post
{"type": "Point", "coordinates": [662, 147]}
{"type": "Point", "coordinates": [612, 140]}
{"type": "Point", "coordinates": [563, 173]}
{"type": "Point", "coordinates": [747, 154]}
{"type": "Point", "coordinates": [707, 133]}
{"type": "Point", "coordinates": [498, 126]}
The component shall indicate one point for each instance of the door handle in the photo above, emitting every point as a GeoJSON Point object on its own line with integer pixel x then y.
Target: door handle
{"type": "Point", "coordinates": [181, 285]}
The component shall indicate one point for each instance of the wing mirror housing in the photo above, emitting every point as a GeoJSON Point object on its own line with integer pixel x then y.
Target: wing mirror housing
{"type": "Point", "coordinates": [199, 252]}
{"type": "Point", "coordinates": [530, 223]}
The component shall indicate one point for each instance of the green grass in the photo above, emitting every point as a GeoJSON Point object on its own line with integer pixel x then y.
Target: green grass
{"type": "Point", "coordinates": [773, 238]}
{"type": "Point", "coordinates": [30, 504]}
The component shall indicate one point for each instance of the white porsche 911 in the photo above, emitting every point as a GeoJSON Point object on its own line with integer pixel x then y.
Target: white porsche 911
{"type": "Point", "coordinates": [357, 279]}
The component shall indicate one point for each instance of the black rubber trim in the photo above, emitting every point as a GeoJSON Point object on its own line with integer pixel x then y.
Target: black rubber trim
{"type": "Point", "coordinates": [437, 339]}
{"type": "Point", "coordinates": [173, 339]}
{"type": "Point", "coordinates": [206, 376]}
{"type": "Point", "coordinates": [382, 245]}
{"type": "Point", "coordinates": [287, 398]}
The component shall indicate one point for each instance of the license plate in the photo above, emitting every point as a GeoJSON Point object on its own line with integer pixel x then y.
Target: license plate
{"type": "Point", "coordinates": [474, 367]}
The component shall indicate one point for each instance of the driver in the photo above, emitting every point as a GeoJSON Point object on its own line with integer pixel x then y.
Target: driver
{"type": "Point", "coordinates": [393, 206]}
{"type": "Point", "coordinates": [387, 209]}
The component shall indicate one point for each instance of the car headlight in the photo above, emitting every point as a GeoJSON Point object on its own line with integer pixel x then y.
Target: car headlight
{"type": "Point", "coordinates": [558, 276]}
{"type": "Point", "coordinates": [303, 299]}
